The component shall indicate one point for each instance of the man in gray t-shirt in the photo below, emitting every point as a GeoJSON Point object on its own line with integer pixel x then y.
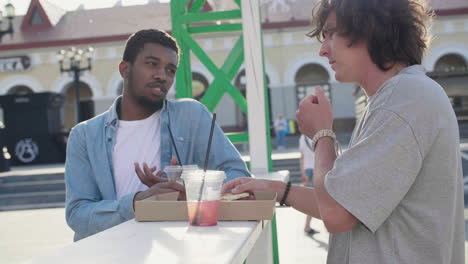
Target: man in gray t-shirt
{"type": "Point", "coordinates": [396, 194]}
{"type": "Point", "coordinates": [401, 178]}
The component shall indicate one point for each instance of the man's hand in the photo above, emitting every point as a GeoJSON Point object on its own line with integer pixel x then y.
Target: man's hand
{"type": "Point", "coordinates": [147, 175]}
{"type": "Point", "coordinates": [251, 185]}
{"type": "Point", "coordinates": [314, 113]}
{"type": "Point", "coordinates": [160, 188]}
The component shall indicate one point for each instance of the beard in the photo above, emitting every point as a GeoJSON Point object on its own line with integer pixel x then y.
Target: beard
{"type": "Point", "coordinates": [148, 104]}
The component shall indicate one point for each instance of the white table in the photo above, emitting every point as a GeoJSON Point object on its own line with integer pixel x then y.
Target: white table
{"type": "Point", "coordinates": [173, 242]}
{"type": "Point", "coordinates": [163, 242]}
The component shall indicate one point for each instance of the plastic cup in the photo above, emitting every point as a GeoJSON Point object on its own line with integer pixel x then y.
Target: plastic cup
{"type": "Point", "coordinates": [174, 172]}
{"type": "Point", "coordinates": [203, 208]}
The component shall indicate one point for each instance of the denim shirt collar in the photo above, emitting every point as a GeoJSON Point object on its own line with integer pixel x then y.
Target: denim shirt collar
{"type": "Point", "coordinates": [112, 118]}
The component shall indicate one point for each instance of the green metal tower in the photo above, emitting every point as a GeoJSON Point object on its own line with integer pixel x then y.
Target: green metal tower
{"type": "Point", "coordinates": [189, 19]}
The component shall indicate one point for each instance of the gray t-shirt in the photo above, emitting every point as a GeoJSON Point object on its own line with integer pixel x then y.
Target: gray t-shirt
{"type": "Point", "coordinates": [401, 178]}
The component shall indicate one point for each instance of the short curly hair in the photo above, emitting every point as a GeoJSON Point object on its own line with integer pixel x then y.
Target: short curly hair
{"type": "Point", "coordinates": [394, 30]}
{"type": "Point", "coordinates": [137, 41]}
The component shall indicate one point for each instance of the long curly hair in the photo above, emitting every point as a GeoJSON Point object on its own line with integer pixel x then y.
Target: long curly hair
{"type": "Point", "coordinates": [395, 31]}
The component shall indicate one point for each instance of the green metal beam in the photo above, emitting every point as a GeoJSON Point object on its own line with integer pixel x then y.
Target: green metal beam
{"type": "Point", "coordinates": [214, 28]}
{"type": "Point", "coordinates": [238, 137]}
{"type": "Point", "coordinates": [196, 5]}
{"type": "Point", "coordinates": [235, 59]}
{"type": "Point", "coordinates": [213, 95]}
{"type": "Point", "coordinates": [184, 25]}
{"type": "Point", "coordinates": [210, 16]}
{"type": "Point", "coordinates": [237, 96]}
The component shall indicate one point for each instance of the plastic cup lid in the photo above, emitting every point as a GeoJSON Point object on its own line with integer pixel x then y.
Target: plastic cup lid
{"type": "Point", "coordinates": [209, 175]}
{"type": "Point", "coordinates": [190, 167]}
{"type": "Point", "coordinates": [173, 168]}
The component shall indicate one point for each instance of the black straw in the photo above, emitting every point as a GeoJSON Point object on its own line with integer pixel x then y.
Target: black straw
{"type": "Point", "coordinates": [172, 138]}
{"type": "Point", "coordinates": [209, 142]}
{"type": "Point", "coordinates": [196, 219]}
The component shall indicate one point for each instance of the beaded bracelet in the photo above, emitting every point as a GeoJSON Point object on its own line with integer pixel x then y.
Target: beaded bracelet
{"type": "Point", "coordinates": [285, 195]}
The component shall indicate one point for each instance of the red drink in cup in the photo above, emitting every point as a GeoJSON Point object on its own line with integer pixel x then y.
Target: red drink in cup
{"type": "Point", "coordinates": [207, 212]}
{"type": "Point", "coordinates": [203, 191]}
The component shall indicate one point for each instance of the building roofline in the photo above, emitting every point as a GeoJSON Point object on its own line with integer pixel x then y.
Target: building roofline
{"type": "Point", "coordinates": [67, 42]}
{"type": "Point", "coordinates": [451, 12]}
{"type": "Point", "coordinates": [122, 37]}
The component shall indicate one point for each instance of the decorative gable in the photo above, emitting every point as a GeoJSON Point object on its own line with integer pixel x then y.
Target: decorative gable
{"type": "Point", "coordinates": [41, 15]}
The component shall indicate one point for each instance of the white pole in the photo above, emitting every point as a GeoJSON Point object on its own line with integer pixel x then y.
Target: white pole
{"type": "Point", "coordinates": [255, 85]}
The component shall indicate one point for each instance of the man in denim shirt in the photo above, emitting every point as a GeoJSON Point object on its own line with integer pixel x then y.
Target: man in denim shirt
{"type": "Point", "coordinates": [112, 158]}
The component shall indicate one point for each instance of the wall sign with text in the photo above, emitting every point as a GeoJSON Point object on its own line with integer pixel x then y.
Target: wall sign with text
{"type": "Point", "coordinates": [14, 64]}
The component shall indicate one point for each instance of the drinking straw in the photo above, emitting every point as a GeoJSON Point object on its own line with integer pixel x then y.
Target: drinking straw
{"type": "Point", "coordinates": [172, 138]}
{"type": "Point", "coordinates": [209, 142]}
{"type": "Point", "coordinates": [197, 213]}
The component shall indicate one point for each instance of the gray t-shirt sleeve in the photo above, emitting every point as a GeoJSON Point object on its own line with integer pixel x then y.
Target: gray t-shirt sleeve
{"type": "Point", "coordinates": [375, 173]}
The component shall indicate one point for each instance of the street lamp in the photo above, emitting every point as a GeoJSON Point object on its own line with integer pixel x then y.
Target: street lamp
{"type": "Point", "coordinates": [10, 13]}
{"type": "Point", "coordinates": [75, 61]}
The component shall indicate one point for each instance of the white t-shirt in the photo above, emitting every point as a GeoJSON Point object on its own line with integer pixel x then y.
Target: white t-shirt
{"type": "Point", "coordinates": [280, 124]}
{"type": "Point", "coordinates": [136, 141]}
{"type": "Point", "coordinates": [306, 149]}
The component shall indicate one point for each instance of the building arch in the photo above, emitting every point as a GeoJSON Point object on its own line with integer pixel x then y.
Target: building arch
{"type": "Point", "coordinates": [271, 72]}
{"type": "Point", "coordinates": [20, 89]}
{"type": "Point", "coordinates": [199, 68]}
{"type": "Point", "coordinates": [431, 59]}
{"type": "Point", "coordinates": [62, 83]}
{"type": "Point", "coordinates": [21, 80]}
{"type": "Point", "coordinates": [450, 62]}
{"type": "Point", "coordinates": [114, 84]}
{"type": "Point", "coordinates": [296, 64]}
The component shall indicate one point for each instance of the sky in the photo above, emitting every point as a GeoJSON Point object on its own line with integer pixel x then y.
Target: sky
{"type": "Point", "coordinates": [21, 6]}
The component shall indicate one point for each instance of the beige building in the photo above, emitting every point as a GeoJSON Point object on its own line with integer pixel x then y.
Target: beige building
{"type": "Point", "coordinates": [28, 60]}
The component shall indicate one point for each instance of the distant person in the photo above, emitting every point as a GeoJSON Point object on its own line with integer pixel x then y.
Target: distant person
{"type": "Point", "coordinates": [281, 131]}
{"type": "Point", "coordinates": [396, 194]}
{"type": "Point", "coordinates": [307, 172]}
{"type": "Point", "coordinates": [117, 157]}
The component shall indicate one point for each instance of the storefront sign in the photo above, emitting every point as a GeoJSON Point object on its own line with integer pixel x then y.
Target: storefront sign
{"type": "Point", "coordinates": [14, 64]}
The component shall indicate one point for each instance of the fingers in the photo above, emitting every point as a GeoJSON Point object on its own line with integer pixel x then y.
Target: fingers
{"type": "Point", "coordinates": [174, 161]}
{"type": "Point", "coordinates": [147, 170]}
{"type": "Point", "coordinates": [170, 186]}
{"type": "Point", "coordinates": [141, 175]}
{"type": "Point", "coordinates": [158, 177]}
{"type": "Point", "coordinates": [249, 187]}
{"type": "Point", "coordinates": [146, 175]}
{"type": "Point", "coordinates": [228, 186]}
{"type": "Point", "coordinates": [311, 99]}
{"type": "Point", "coordinates": [321, 96]}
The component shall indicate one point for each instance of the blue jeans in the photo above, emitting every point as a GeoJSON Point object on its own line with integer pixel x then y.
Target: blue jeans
{"type": "Point", "coordinates": [309, 173]}
{"type": "Point", "coordinates": [281, 137]}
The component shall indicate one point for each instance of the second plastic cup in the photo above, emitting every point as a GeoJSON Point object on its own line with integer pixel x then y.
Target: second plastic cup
{"type": "Point", "coordinates": [174, 172]}
{"type": "Point", "coordinates": [203, 208]}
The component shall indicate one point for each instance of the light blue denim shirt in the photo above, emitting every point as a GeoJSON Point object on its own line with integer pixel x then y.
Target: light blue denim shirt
{"type": "Point", "coordinates": [91, 204]}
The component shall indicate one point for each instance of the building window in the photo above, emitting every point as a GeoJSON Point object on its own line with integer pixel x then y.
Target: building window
{"type": "Point", "coordinates": [36, 18]}
{"type": "Point", "coordinates": [20, 89]}
{"type": "Point", "coordinates": [199, 85]}
{"type": "Point", "coordinates": [451, 63]}
{"type": "Point", "coordinates": [308, 77]}
{"type": "Point", "coordinates": [451, 72]}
